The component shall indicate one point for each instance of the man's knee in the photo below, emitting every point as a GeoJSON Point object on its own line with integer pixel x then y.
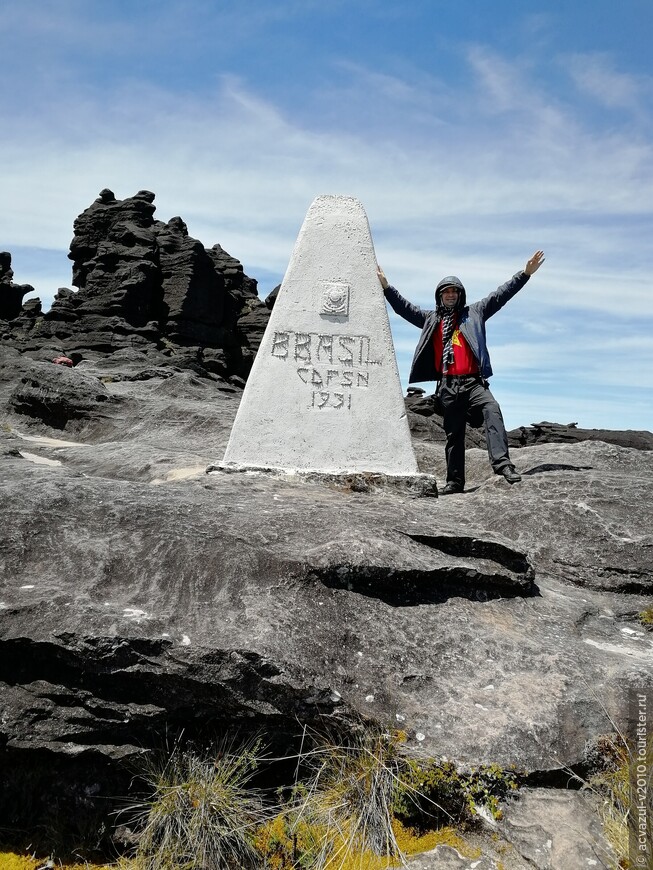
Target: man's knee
{"type": "Point", "coordinates": [489, 405]}
{"type": "Point", "coordinates": [492, 409]}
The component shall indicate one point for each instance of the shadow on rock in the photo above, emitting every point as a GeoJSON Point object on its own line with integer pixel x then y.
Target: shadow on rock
{"type": "Point", "coordinates": [553, 466]}
{"type": "Point", "coordinates": [412, 588]}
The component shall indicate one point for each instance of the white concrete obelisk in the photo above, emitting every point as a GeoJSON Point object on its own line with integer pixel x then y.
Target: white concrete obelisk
{"type": "Point", "coordinates": [324, 392]}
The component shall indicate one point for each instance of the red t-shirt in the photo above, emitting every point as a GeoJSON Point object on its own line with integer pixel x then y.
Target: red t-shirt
{"type": "Point", "coordinates": [464, 361]}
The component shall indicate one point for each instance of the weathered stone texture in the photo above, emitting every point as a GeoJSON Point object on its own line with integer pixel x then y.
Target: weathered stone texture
{"type": "Point", "coordinates": [142, 284]}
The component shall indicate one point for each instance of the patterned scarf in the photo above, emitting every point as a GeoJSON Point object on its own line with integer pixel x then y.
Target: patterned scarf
{"type": "Point", "coordinates": [448, 327]}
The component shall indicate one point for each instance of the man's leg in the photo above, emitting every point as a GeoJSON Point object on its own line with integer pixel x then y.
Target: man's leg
{"type": "Point", "coordinates": [454, 419]}
{"type": "Point", "coordinates": [495, 429]}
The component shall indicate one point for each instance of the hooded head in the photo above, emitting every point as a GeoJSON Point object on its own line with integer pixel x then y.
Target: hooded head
{"type": "Point", "coordinates": [451, 281]}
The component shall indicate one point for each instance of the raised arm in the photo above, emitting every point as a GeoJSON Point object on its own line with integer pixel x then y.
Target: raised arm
{"type": "Point", "coordinates": [498, 298]}
{"type": "Point", "coordinates": [401, 306]}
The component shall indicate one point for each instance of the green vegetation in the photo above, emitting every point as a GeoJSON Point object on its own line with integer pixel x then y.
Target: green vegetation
{"type": "Point", "coordinates": [360, 803]}
{"type": "Point", "coordinates": [613, 786]}
{"type": "Point", "coordinates": [434, 791]}
{"type": "Point", "coordinates": [646, 617]}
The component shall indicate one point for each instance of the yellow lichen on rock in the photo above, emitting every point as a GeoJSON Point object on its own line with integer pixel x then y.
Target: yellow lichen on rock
{"type": "Point", "coordinates": [13, 861]}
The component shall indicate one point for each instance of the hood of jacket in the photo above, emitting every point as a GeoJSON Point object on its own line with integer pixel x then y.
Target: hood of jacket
{"type": "Point", "coordinates": [451, 281]}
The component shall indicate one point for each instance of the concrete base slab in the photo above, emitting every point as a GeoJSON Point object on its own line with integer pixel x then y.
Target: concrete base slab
{"type": "Point", "coordinates": [414, 485]}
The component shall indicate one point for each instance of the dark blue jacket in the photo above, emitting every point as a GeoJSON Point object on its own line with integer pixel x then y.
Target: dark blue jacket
{"type": "Point", "coordinates": [471, 322]}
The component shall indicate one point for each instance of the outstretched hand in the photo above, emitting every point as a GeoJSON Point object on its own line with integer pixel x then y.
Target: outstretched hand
{"type": "Point", "coordinates": [382, 278]}
{"type": "Point", "coordinates": [534, 263]}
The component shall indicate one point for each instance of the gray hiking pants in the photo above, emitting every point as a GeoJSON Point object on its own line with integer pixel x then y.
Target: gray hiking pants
{"type": "Point", "coordinates": [462, 397]}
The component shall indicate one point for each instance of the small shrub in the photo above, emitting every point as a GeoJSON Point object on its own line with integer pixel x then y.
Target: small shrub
{"type": "Point", "coordinates": [487, 786]}
{"type": "Point", "coordinates": [646, 618]}
{"type": "Point", "coordinates": [433, 792]}
{"type": "Point", "coordinates": [202, 811]}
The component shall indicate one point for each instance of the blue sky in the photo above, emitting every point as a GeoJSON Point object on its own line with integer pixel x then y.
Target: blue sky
{"type": "Point", "coordinates": [472, 132]}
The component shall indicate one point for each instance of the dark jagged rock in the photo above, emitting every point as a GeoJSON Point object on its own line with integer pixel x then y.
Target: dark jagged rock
{"type": "Point", "coordinates": [251, 325]}
{"type": "Point", "coordinates": [558, 433]}
{"type": "Point", "coordinates": [11, 295]}
{"type": "Point", "coordinates": [251, 314]}
{"type": "Point", "coordinates": [271, 298]}
{"type": "Point", "coordinates": [193, 303]}
{"type": "Point", "coordinates": [113, 254]}
{"type": "Point", "coordinates": [239, 287]}
{"type": "Point", "coordinates": [145, 284]}
{"type": "Point", "coordinates": [426, 424]}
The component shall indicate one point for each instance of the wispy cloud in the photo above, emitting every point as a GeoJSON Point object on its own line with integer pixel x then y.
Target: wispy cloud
{"type": "Point", "coordinates": [595, 76]}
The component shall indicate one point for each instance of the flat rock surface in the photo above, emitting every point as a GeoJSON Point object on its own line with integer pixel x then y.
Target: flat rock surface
{"type": "Point", "coordinates": [497, 626]}
{"type": "Point", "coordinates": [557, 828]}
{"type": "Point", "coordinates": [545, 829]}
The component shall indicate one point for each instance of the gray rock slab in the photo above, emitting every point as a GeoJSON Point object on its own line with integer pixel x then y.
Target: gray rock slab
{"type": "Point", "coordinates": [378, 604]}
{"type": "Point", "coordinates": [541, 829]}
{"type": "Point", "coordinates": [555, 829]}
{"type": "Point", "coordinates": [326, 363]}
{"type": "Point", "coordinates": [448, 858]}
{"type": "Point", "coordinates": [138, 594]}
{"type": "Point", "coordinates": [584, 510]}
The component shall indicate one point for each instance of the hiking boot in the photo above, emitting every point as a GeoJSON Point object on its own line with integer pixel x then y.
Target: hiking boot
{"type": "Point", "coordinates": [451, 488]}
{"type": "Point", "coordinates": [510, 474]}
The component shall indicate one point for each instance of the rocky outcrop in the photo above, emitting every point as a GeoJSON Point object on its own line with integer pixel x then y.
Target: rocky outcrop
{"type": "Point", "coordinates": [558, 433]}
{"type": "Point", "coordinates": [56, 396]}
{"type": "Point", "coordinates": [147, 285]}
{"type": "Point", "coordinates": [11, 295]}
{"type": "Point", "coordinates": [142, 596]}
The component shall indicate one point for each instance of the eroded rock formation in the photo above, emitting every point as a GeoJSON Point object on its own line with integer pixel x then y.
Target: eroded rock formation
{"type": "Point", "coordinates": [11, 295]}
{"type": "Point", "coordinates": [146, 285]}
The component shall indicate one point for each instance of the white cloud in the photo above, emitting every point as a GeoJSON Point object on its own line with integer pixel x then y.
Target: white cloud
{"type": "Point", "coordinates": [594, 75]}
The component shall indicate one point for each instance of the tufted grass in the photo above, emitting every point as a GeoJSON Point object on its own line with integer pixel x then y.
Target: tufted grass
{"type": "Point", "coordinates": [356, 803]}
{"type": "Point", "coordinates": [612, 788]}
{"type": "Point", "coordinates": [201, 812]}
{"type": "Point", "coordinates": [364, 804]}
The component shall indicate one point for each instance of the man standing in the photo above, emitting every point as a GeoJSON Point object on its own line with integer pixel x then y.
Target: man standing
{"type": "Point", "coordinates": [452, 350]}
